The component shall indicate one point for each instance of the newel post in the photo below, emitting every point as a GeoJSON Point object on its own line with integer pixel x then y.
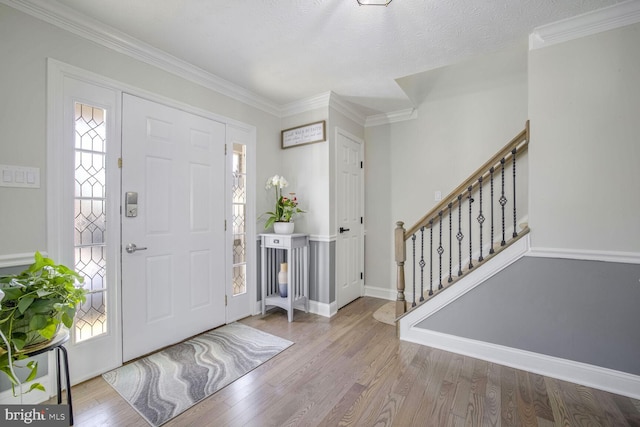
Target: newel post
{"type": "Point", "coordinates": [400, 249]}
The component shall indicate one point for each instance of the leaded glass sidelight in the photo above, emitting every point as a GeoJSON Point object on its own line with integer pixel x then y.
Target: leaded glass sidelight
{"type": "Point", "coordinates": [90, 214]}
{"type": "Point", "coordinates": [239, 206]}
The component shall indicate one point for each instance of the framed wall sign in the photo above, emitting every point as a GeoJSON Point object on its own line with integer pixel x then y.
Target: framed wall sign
{"type": "Point", "coordinates": [305, 134]}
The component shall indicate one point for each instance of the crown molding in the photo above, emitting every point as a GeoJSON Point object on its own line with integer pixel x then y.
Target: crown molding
{"type": "Point", "coordinates": [393, 117]}
{"type": "Point", "coordinates": [97, 32]}
{"type": "Point", "coordinates": [597, 21]}
{"type": "Point", "coordinates": [307, 104]}
{"type": "Point", "coordinates": [346, 109]}
{"type": "Point", "coordinates": [324, 100]}
{"type": "Point", "coordinates": [90, 29]}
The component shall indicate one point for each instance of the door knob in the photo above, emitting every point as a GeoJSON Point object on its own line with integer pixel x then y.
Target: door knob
{"type": "Point", "coordinates": [131, 248]}
{"type": "Point", "coordinates": [342, 229]}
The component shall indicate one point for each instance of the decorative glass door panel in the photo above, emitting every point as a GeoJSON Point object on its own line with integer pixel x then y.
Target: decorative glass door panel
{"type": "Point", "coordinates": [239, 202]}
{"type": "Point", "coordinates": [89, 218]}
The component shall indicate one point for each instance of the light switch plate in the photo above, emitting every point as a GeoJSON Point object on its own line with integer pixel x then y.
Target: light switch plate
{"type": "Point", "coordinates": [19, 176]}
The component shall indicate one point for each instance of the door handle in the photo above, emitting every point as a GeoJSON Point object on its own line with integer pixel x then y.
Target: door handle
{"type": "Point", "coordinates": [131, 248]}
{"type": "Point", "coordinates": [342, 229]}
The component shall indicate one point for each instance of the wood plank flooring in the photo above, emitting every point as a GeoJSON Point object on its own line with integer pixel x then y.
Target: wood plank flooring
{"type": "Point", "coordinates": [351, 370]}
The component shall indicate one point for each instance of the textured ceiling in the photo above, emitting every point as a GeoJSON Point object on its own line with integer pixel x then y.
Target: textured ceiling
{"type": "Point", "coordinates": [288, 50]}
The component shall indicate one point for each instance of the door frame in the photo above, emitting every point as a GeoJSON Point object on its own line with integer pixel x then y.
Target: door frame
{"type": "Point", "coordinates": [360, 141]}
{"type": "Point", "coordinates": [58, 242]}
{"type": "Point", "coordinates": [247, 137]}
{"type": "Point", "coordinates": [60, 206]}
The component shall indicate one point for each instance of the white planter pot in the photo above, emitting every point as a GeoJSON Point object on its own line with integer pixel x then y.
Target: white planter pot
{"type": "Point", "coordinates": [283, 227]}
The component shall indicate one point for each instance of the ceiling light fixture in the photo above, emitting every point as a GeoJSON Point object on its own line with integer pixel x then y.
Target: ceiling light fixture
{"type": "Point", "coordinates": [384, 3]}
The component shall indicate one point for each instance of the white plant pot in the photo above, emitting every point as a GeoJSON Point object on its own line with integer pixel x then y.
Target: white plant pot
{"type": "Point", "coordinates": [283, 227]}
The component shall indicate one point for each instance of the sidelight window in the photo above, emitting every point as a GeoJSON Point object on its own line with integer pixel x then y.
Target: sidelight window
{"type": "Point", "coordinates": [239, 194]}
{"type": "Point", "coordinates": [89, 218]}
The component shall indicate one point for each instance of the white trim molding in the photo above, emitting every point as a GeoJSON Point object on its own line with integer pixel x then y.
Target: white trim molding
{"type": "Point", "coordinates": [382, 293]}
{"type": "Point", "coordinates": [567, 370]}
{"type": "Point", "coordinates": [597, 21]}
{"type": "Point", "coordinates": [324, 100]}
{"type": "Point", "coordinates": [323, 309]}
{"type": "Point", "coordinates": [16, 260]}
{"type": "Point", "coordinates": [576, 372]}
{"type": "Point", "coordinates": [104, 35]}
{"type": "Point", "coordinates": [393, 117]}
{"type": "Point", "coordinates": [586, 255]}
{"type": "Point", "coordinates": [483, 272]}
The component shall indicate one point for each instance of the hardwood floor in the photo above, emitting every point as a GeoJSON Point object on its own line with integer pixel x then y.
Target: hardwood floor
{"type": "Point", "coordinates": [352, 370]}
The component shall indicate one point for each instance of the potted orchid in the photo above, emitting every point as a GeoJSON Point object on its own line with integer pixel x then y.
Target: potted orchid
{"type": "Point", "coordinates": [286, 207]}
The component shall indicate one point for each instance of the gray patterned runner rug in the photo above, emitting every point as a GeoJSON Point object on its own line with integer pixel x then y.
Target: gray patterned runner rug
{"type": "Point", "coordinates": [167, 383]}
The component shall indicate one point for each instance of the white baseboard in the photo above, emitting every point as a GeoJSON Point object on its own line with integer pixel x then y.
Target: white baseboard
{"type": "Point", "coordinates": [382, 293]}
{"type": "Point", "coordinates": [323, 309]}
{"type": "Point", "coordinates": [567, 370]}
{"type": "Point", "coordinates": [587, 255]}
{"type": "Point", "coordinates": [315, 307]}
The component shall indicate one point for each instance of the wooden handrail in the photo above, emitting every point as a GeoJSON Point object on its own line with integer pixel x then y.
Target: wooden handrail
{"type": "Point", "coordinates": [520, 141]}
{"type": "Point", "coordinates": [516, 146]}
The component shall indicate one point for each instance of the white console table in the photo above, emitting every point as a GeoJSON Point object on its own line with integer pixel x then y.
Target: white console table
{"type": "Point", "coordinates": [293, 249]}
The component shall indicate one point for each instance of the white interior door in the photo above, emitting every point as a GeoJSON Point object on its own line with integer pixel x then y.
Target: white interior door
{"type": "Point", "coordinates": [350, 242]}
{"type": "Point", "coordinates": [173, 285]}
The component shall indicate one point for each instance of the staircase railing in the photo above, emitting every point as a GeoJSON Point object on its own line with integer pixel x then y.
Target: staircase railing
{"type": "Point", "coordinates": [501, 213]}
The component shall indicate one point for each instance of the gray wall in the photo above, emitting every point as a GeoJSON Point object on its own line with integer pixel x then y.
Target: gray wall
{"type": "Point", "coordinates": [585, 311]}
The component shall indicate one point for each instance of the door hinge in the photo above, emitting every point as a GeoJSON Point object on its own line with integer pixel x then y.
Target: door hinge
{"type": "Point", "coordinates": [361, 165]}
{"type": "Point", "coordinates": [361, 220]}
{"type": "Point", "coordinates": [361, 276]}
{"type": "Point", "coordinates": [120, 162]}
{"type": "Point", "coordinates": [225, 149]}
{"type": "Point", "coordinates": [225, 225]}
{"type": "Point", "coordinates": [225, 300]}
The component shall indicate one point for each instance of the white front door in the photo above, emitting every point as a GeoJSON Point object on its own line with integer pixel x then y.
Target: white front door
{"type": "Point", "coordinates": [173, 172]}
{"type": "Point", "coordinates": [350, 242]}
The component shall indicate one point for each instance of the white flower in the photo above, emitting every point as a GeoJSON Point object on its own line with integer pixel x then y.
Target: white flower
{"type": "Point", "coordinates": [1, 295]}
{"type": "Point", "coordinates": [276, 181]}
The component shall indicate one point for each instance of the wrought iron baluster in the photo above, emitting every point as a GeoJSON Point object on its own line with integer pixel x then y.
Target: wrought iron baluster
{"type": "Point", "coordinates": [450, 206]}
{"type": "Point", "coordinates": [422, 264]}
{"type": "Point", "coordinates": [491, 250]}
{"type": "Point", "coordinates": [440, 250]}
{"type": "Point", "coordinates": [515, 233]}
{"type": "Point", "coordinates": [413, 240]}
{"type": "Point", "coordinates": [460, 236]}
{"type": "Point", "coordinates": [503, 201]}
{"type": "Point", "coordinates": [480, 218]}
{"type": "Point", "coordinates": [470, 233]}
{"type": "Point", "coordinates": [430, 257]}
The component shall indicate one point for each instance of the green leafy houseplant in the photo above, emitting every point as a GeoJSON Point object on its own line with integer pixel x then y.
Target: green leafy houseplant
{"type": "Point", "coordinates": [33, 305]}
{"type": "Point", "coordinates": [286, 207]}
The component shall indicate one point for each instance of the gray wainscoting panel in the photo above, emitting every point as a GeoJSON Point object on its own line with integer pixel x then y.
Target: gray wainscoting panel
{"type": "Point", "coordinates": [322, 269]}
{"type": "Point", "coordinates": [585, 311]}
{"type": "Point", "coordinates": [322, 266]}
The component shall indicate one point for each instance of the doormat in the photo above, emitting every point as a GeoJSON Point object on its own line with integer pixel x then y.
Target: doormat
{"type": "Point", "coordinates": [386, 313]}
{"type": "Point", "coordinates": [167, 383]}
